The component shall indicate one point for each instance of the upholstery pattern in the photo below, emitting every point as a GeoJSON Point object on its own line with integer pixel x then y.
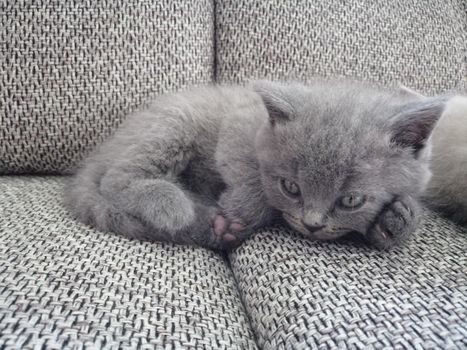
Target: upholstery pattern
{"type": "Point", "coordinates": [308, 295]}
{"type": "Point", "coordinates": [70, 71]}
{"type": "Point", "coordinates": [418, 43]}
{"type": "Point", "coordinates": [66, 286]}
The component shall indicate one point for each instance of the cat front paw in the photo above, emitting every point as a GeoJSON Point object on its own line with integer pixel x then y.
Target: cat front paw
{"type": "Point", "coordinates": [396, 222]}
{"type": "Point", "coordinates": [229, 233]}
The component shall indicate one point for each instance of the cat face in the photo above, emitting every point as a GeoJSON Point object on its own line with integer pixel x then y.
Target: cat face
{"type": "Point", "coordinates": [332, 156]}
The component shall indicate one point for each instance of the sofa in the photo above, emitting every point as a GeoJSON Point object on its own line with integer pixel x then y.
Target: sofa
{"type": "Point", "coordinates": [70, 73]}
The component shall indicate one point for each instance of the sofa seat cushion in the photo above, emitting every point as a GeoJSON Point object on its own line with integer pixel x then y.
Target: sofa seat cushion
{"type": "Point", "coordinates": [301, 294]}
{"type": "Point", "coordinates": [64, 285]}
{"type": "Point", "coordinates": [420, 43]}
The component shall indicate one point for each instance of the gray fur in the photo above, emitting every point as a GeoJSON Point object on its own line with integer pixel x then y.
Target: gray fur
{"type": "Point", "coordinates": [203, 167]}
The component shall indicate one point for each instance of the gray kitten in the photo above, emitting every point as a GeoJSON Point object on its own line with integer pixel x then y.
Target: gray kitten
{"type": "Point", "coordinates": [211, 165]}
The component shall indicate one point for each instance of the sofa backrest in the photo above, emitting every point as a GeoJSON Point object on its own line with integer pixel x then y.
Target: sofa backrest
{"type": "Point", "coordinates": [71, 71]}
{"type": "Point", "coordinates": [420, 43]}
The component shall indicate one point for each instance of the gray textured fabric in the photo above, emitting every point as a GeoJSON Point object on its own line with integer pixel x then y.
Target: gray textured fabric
{"type": "Point", "coordinates": [419, 43]}
{"type": "Point", "coordinates": [63, 285]}
{"type": "Point", "coordinates": [71, 70]}
{"type": "Point", "coordinates": [302, 294]}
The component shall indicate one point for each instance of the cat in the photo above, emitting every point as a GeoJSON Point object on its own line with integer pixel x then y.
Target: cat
{"type": "Point", "coordinates": [447, 189]}
{"type": "Point", "coordinates": [211, 165]}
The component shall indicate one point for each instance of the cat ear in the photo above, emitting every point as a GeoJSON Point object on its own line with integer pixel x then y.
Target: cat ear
{"type": "Point", "coordinates": [415, 123]}
{"type": "Point", "coordinates": [275, 101]}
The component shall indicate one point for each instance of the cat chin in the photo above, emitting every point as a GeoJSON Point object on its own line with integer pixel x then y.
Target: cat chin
{"type": "Point", "coordinates": [325, 235]}
{"type": "Point", "coordinates": [322, 235]}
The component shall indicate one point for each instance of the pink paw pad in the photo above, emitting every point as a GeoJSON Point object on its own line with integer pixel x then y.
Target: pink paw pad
{"type": "Point", "coordinates": [229, 237]}
{"type": "Point", "coordinates": [225, 229]}
{"type": "Point", "coordinates": [220, 225]}
{"type": "Point", "coordinates": [236, 227]}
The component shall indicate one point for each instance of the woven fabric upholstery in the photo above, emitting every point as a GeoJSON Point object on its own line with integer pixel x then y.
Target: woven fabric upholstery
{"type": "Point", "coordinates": [309, 295]}
{"type": "Point", "coordinates": [65, 286]}
{"type": "Point", "coordinates": [420, 43]}
{"type": "Point", "coordinates": [70, 71]}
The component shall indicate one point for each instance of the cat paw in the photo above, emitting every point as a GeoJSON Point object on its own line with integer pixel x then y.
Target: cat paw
{"type": "Point", "coordinates": [394, 224]}
{"type": "Point", "coordinates": [228, 233]}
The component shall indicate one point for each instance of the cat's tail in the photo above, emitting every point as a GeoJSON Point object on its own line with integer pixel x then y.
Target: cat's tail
{"type": "Point", "coordinates": [87, 205]}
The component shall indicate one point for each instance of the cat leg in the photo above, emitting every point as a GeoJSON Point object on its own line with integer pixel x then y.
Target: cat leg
{"type": "Point", "coordinates": [211, 228]}
{"type": "Point", "coordinates": [244, 210]}
{"type": "Point", "coordinates": [395, 223]}
{"type": "Point", "coordinates": [173, 213]}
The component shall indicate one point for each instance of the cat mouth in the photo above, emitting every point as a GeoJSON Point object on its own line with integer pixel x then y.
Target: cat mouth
{"type": "Point", "coordinates": [322, 235]}
{"type": "Point", "coordinates": [296, 224]}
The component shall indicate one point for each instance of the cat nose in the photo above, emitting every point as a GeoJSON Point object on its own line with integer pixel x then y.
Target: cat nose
{"type": "Point", "coordinates": [313, 222]}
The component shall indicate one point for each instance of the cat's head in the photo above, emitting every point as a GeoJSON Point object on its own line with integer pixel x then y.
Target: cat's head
{"type": "Point", "coordinates": [333, 154]}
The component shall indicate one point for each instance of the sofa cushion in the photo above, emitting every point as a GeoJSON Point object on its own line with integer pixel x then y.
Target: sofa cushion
{"type": "Point", "coordinates": [72, 70]}
{"type": "Point", "coordinates": [64, 285]}
{"type": "Point", "coordinates": [302, 294]}
{"type": "Point", "coordinates": [419, 43]}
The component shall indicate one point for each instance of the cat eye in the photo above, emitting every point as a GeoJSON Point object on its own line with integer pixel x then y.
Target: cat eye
{"type": "Point", "coordinates": [352, 201]}
{"type": "Point", "coordinates": [289, 188]}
